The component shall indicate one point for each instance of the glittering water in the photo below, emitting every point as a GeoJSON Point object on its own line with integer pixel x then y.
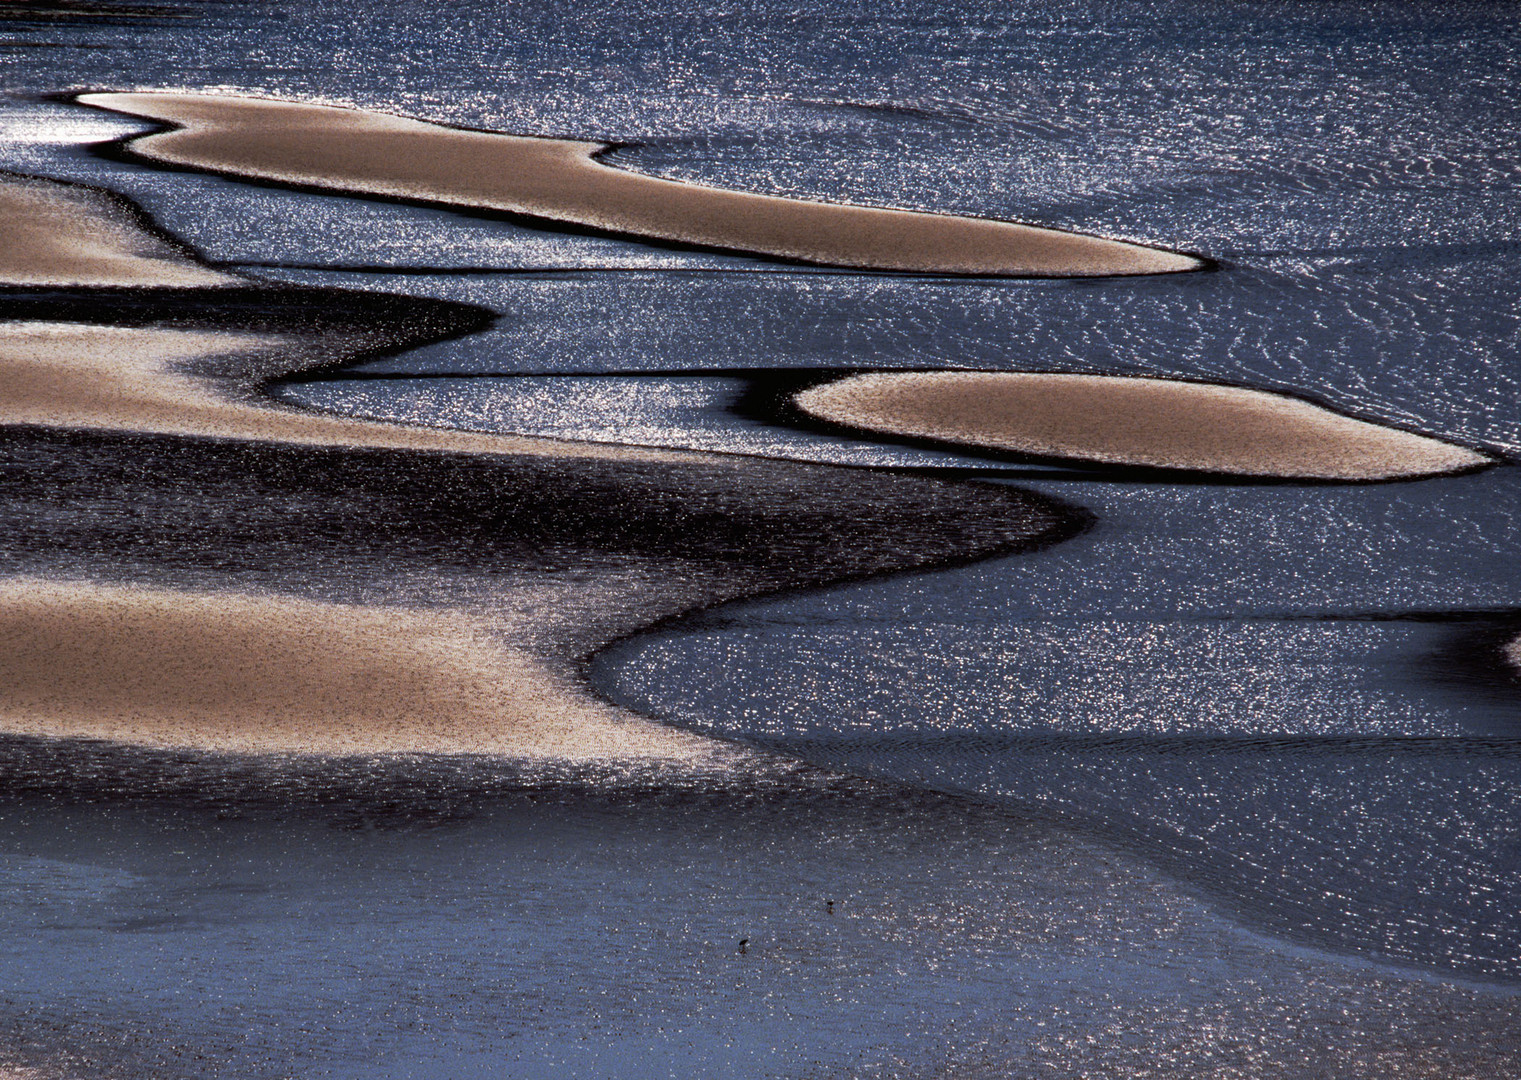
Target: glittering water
{"type": "Point", "coordinates": [1233, 773]}
{"type": "Point", "coordinates": [697, 413]}
{"type": "Point", "coordinates": [1421, 340]}
{"type": "Point", "coordinates": [1229, 677]}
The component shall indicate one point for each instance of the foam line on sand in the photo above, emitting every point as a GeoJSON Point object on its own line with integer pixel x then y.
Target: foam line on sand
{"type": "Point", "coordinates": [1156, 423]}
{"type": "Point", "coordinates": [567, 182]}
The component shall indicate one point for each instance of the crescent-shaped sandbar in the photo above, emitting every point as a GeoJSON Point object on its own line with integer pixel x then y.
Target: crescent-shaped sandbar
{"type": "Point", "coordinates": [565, 181]}
{"type": "Point", "coordinates": [1114, 420]}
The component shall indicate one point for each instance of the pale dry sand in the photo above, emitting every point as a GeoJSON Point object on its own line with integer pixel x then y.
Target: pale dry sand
{"type": "Point", "coordinates": [240, 673]}
{"type": "Point", "coordinates": [77, 375]}
{"type": "Point", "coordinates": [264, 674]}
{"type": "Point", "coordinates": [1133, 421]}
{"type": "Point", "coordinates": [62, 234]}
{"type": "Point", "coordinates": [562, 180]}
{"type": "Point", "coordinates": [1512, 654]}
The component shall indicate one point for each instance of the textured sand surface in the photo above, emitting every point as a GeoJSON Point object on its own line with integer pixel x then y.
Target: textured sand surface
{"type": "Point", "coordinates": [563, 181]}
{"type": "Point", "coordinates": [1130, 421]}
{"type": "Point", "coordinates": [254, 673]}
{"type": "Point", "coordinates": [62, 234]}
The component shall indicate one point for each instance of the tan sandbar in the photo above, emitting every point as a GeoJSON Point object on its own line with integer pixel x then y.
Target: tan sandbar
{"type": "Point", "coordinates": [78, 375]}
{"type": "Point", "coordinates": [562, 180]}
{"type": "Point", "coordinates": [1133, 421]}
{"type": "Point", "coordinates": [242, 672]}
{"type": "Point", "coordinates": [82, 375]}
{"type": "Point", "coordinates": [65, 235]}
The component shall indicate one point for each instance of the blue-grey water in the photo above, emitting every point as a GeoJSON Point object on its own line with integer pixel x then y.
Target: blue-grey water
{"type": "Point", "coordinates": [1227, 785]}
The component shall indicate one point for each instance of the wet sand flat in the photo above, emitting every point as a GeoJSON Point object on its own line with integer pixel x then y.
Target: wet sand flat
{"type": "Point", "coordinates": [564, 181]}
{"type": "Point", "coordinates": [271, 564]}
{"type": "Point", "coordinates": [552, 556]}
{"type": "Point", "coordinates": [1134, 422]}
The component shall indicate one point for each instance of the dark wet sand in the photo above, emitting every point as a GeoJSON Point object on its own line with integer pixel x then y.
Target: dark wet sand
{"type": "Point", "coordinates": [536, 560]}
{"type": "Point", "coordinates": [549, 561]}
{"type": "Point", "coordinates": [564, 181]}
{"type": "Point", "coordinates": [1155, 423]}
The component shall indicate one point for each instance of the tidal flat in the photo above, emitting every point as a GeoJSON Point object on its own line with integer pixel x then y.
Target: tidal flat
{"type": "Point", "coordinates": [950, 540]}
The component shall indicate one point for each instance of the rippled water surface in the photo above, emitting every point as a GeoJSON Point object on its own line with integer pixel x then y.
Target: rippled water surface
{"type": "Point", "coordinates": [1228, 784]}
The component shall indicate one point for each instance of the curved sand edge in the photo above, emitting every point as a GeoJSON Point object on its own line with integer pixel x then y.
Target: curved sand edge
{"type": "Point", "coordinates": [231, 671]}
{"type": "Point", "coordinates": [247, 673]}
{"type": "Point", "coordinates": [1116, 420]}
{"type": "Point", "coordinates": [55, 233]}
{"type": "Point", "coordinates": [561, 180]}
{"type": "Point", "coordinates": [87, 375]}
{"type": "Point", "coordinates": [81, 375]}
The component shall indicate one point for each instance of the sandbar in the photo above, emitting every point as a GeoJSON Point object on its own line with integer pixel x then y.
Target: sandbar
{"type": "Point", "coordinates": [566, 181]}
{"type": "Point", "coordinates": [251, 673]}
{"type": "Point", "coordinates": [114, 378]}
{"type": "Point", "coordinates": [544, 553]}
{"type": "Point", "coordinates": [1115, 420]}
{"type": "Point", "coordinates": [123, 378]}
{"type": "Point", "coordinates": [57, 234]}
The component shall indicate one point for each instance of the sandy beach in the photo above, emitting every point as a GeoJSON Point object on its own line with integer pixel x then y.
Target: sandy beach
{"type": "Point", "coordinates": [566, 182]}
{"type": "Point", "coordinates": [1135, 422]}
